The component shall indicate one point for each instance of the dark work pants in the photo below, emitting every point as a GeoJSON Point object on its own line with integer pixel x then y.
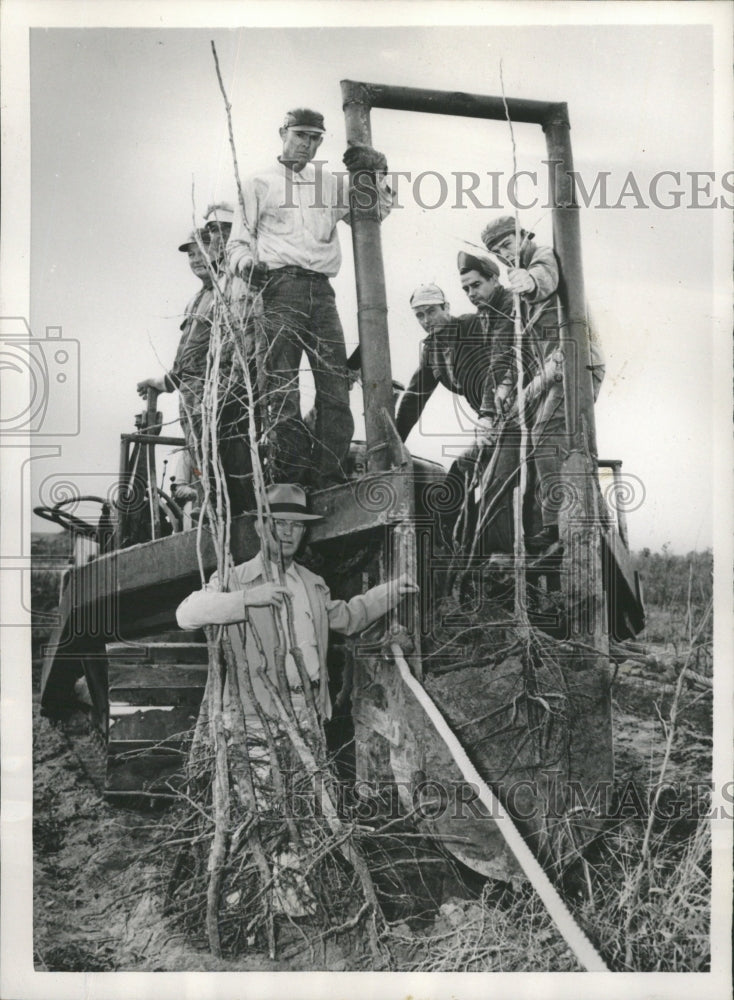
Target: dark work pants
{"type": "Point", "coordinates": [497, 532]}
{"type": "Point", "coordinates": [300, 315]}
{"type": "Point", "coordinates": [548, 441]}
{"type": "Point", "coordinates": [233, 440]}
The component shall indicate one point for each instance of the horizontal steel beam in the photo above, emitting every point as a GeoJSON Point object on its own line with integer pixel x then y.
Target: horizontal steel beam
{"type": "Point", "coordinates": [153, 439]}
{"type": "Point", "coordinates": [442, 102]}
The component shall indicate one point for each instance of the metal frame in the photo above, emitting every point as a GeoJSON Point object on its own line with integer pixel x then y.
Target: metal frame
{"type": "Point", "coordinates": [580, 526]}
{"type": "Point", "coordinates": [358, 100]}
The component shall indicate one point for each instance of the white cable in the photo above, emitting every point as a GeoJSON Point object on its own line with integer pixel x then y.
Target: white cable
{"type": "Point", "coordinates": [574, 937]}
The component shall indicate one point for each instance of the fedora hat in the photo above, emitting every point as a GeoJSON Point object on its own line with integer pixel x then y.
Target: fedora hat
{"type": "Point", "coordinates": [288, 501]}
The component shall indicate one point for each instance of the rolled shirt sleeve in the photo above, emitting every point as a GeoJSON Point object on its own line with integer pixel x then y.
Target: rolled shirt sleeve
{"type": "Point", "coordinates": [241, 243]}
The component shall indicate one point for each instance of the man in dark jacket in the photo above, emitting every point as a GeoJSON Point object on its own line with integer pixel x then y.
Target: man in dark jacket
{"type": "Point", "coordinates": [188, 375]}
{"type": "Point", "coordinates": [472, 356]}
{"type": "Point", "coordinates": [533, 274]}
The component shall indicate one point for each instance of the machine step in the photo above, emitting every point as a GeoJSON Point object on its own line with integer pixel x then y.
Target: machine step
{"type": "Point", "coordinates": [159, 684]}
{"type": "Point", "coordinates": [157, 652]}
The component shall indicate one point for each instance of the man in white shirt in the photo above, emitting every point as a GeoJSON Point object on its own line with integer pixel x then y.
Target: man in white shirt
{"type": "Point", "coordinates": [314, 611]}
{"type": "Point", "coordinates": [289, 235]}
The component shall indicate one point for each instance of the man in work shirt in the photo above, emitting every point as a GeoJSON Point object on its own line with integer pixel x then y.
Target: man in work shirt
{"type": "Point", "coordinates": [533, 275]}
{"type": "Point", "coordinates": [189, 366]}
{"type": "Point", "coordinates": [288, 236]}
{"type": "Point", "coordinates": [470, 355]}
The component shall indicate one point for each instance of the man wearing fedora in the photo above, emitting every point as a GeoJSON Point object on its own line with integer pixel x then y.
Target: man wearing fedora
{"type": "Point", "coordinates": [533, 274]}
{"type": "Point", "coordinates": [314, 611]}
{"type": "Point", "coordinates": [288, 238]}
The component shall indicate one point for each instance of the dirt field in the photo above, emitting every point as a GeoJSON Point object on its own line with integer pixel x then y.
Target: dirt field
{"type": "Point", "coordinates": [97, 885]}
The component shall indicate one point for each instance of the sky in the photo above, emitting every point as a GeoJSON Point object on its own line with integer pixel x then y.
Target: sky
{"type": "Point", "coordinates": [129, 144]}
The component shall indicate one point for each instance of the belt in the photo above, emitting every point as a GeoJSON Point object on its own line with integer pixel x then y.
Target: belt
{"type": "Point", "coordinates": [298, 272]}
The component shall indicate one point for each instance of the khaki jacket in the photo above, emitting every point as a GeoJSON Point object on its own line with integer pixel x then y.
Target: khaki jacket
{"type": "Point", "coordinates": [212, 607]}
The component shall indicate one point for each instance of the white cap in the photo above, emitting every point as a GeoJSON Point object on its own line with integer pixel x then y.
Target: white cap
{"type": "Point", "coordinates": [221, 212]}
{"type": "Point", "coordinates": [427, 295]}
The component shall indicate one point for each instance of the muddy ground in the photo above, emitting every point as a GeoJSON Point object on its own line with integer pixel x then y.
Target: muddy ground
{"type": "Point", "coordinates": [97, 898]}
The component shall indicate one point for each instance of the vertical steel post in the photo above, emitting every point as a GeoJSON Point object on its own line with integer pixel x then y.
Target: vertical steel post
{"type": "Point", "coordinates": [370, 274]}
{"type": "Point", "coordinates": [152, 426]}
{"type": "Point", "coordinates": [578, 518]}
{"type": "Point", "coordinates": [620, 512]}
{"type": "Point", "coordinates": [123, 499]}
{"type": "Point", "coordinates": [579, 394]}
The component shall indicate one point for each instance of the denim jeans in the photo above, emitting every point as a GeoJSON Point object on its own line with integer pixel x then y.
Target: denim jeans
{"type": "Point", "coordinates": [300, 315]}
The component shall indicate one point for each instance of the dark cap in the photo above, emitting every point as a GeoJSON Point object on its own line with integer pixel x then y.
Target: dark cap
{"type": "Point", "coordinates": [203, 236]}
{"type": "Point", "coordinates": [498, 229]}
{"type": "Point", "coordinates": [305, 119]}
{"type": "Point", "coordinates": [469, 262]}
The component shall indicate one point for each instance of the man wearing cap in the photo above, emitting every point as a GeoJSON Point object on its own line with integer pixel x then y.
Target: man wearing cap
{"type": "Point", "coordinates": [218, 220]}
{"type": "Point", "coordinates": [464, 354]}
{"type": "Point", "coordinates": [472, 356]}
{"type": "Point", "coordinates": [254, 592]}
{"type": "Point", "coordinates": [187, 376]}
{"type": "Point", "coordinates": [189, 366]}
{"type": "Point", "coordinates": [533, 275]}
{"type": "Point", "coordinates": [289, 233]}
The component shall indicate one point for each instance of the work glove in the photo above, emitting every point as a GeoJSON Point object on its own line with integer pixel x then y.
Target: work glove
{"type": "Point", "coordinates": [361, 157]}
{"type": "Point", "coordinates": [260, 274]}
{"type": "Point", "coordinates": [254, 274]}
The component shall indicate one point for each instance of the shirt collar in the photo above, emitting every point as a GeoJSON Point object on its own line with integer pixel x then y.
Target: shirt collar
{"type": "Point", "coordinates": [291, 571]}
{"type": "Point", "coordinates": [304, 175]}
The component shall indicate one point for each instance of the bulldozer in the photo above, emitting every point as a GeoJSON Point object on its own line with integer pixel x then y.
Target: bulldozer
{"type": "Point", "coordinates": [416, 726]}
